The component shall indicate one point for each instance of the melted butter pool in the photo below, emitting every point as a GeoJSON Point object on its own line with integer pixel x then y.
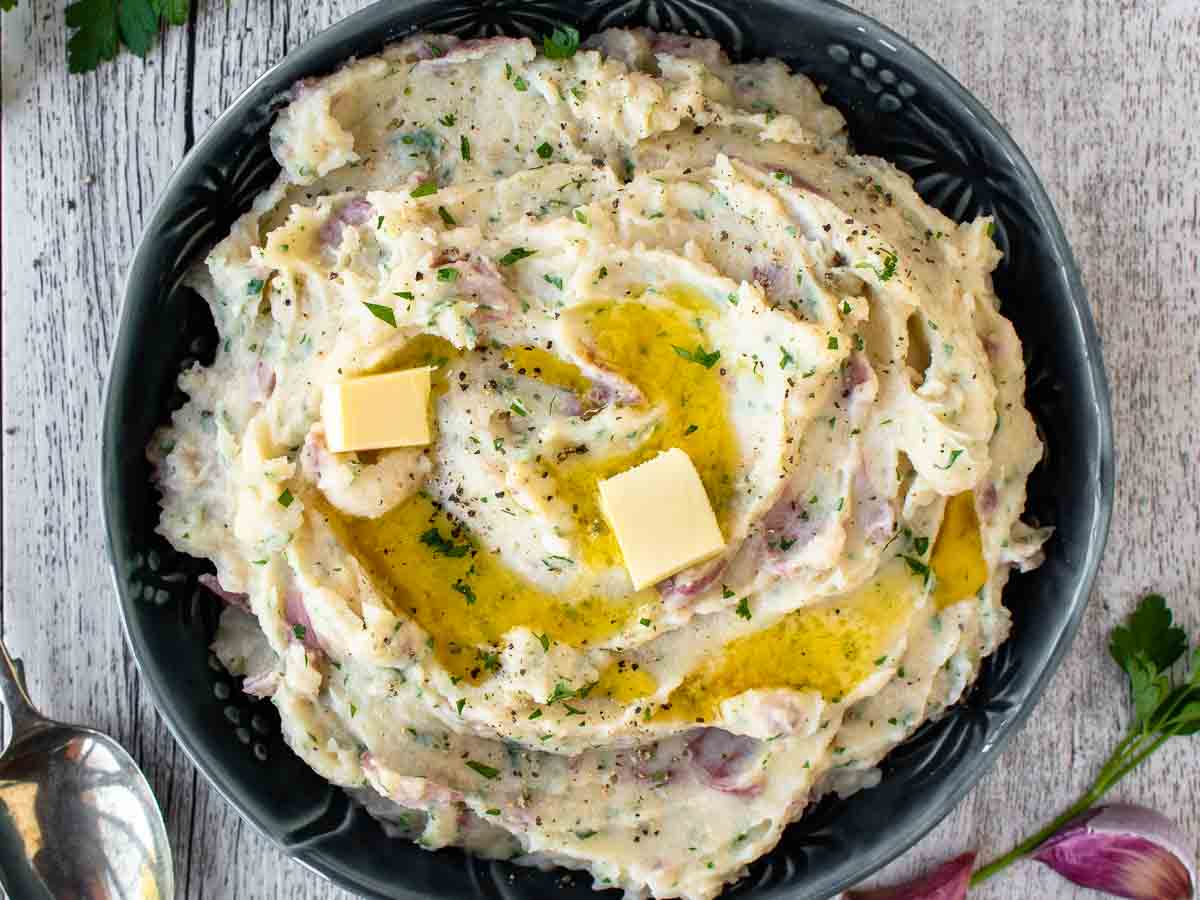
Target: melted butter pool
{"type": "Point", "coordinates": [463, 595]}
{"type": "Point", "coordinates": [830, 648]}
{"type": "Point", "coordinates": [637, 339]}
{"type": "Point", "coordinates": [957, 558]}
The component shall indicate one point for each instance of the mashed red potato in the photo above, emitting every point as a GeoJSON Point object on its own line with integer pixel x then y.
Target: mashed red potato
{"type": "Point", "coordinates": [629, 248]}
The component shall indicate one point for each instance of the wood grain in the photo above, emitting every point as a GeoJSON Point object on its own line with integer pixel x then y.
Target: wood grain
{"type": "Point", "coordinates": [1099, 93]}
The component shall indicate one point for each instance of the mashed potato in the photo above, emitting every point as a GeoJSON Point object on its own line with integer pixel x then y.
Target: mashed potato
{"type": "Point", "coordinates": [634, 248]}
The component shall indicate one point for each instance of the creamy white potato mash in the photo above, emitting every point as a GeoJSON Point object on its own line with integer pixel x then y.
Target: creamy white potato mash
{"type": "Point", "coordinates": [630, 248]}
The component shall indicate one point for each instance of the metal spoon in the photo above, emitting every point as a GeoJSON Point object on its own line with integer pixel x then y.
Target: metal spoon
{"type": "Point", "coordinates": [77, 819]}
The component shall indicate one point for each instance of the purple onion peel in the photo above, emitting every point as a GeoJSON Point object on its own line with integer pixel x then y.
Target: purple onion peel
{"type": "Point", "coordinates": [948, 881]}
{"type": "Point", "coordinates": [1123, 850]}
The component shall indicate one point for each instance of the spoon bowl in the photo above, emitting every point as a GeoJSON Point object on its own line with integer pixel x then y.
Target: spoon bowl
{"type": "Point", "coordinates": [77, 817]}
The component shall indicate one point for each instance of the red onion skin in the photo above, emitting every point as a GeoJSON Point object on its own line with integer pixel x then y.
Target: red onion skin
{"type": "Point", "coordinates": [1125, 851]}
{"type": "Point", "coordinates": [948, 881]}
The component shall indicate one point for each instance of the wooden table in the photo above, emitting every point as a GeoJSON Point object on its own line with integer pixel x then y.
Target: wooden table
{"type": "Point", "coordinates": [1100, 94]}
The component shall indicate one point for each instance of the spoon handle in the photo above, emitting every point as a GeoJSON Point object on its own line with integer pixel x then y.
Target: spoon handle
{"type": "Point", "coordinates": [16, 696]}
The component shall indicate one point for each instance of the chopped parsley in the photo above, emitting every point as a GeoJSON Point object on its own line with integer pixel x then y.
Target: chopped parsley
{"type": "Point", "coordinates": [442, 546]}
{"type": "Point", "coordinates": [561, 43]}
{"type": "Point", "coordinates": [544, 640]}
{"type": "Point", "coordinates": [888, 270]}
{"type": "Point", "coordinates": [921, 544]}
{"type": "Point", "coordinates": [581, 217]}
{"type": "Point", "coordinates": [554, 280]}
{"type": "Point", "coordinates": [557, 563]}
{"type": "Point", "coordinates": [465, 589]}
{"type": "Point", "coordinates": [691, 429]}
{"type": "Point", "coordinates": [285, 499]}
{"type": "Point", "coordinates": [520, 84]}
{"type": "Point", "coordinates": [519, 408]}
{"type": "Point", "coordinates": [954, 455]}
{"type": "Point", "coordinates": [464, 147]}
{"type": "Point", "coordinates": [544, 150]}
{"type": "Point", "coordinates": [785, 359]}
{"type": "Point", "coordinates": [383, 313]}
{"type": "Point", "coordinates": [403, 295]}
{"type": "Point", "coordinates": [516, 254]}
{"type": "Point", "coordinates": [743, 608]}
{"type": "Point", "coordinates": [254, 286]}
{"type": "Point", "coordinates": [699, 356]}
{"type": "Point", "coordinates": [447, 120]}
{"type": "Point", "coordinates": [448, 219]}
{"type": "Point", "coordinates": [447, 274]}
{"type": "Point", "coordinates": [424, 189]}
{"type": "Point", "coordinates": [299, 631]}
{"type": "Point", "coordinates": [462, 701]}
{"type": "Point", "coordinates": [833, 342]}
{"type": "Point", "coordinates": [484, 770]}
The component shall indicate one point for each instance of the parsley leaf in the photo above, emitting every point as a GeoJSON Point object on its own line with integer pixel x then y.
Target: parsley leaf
{"type": "Point", "coordinates": [102, 26]}
{"type": "Point", "coordinates": [888, 270]}
{"type": "Point", "coordinates": [486, 771]}
{"type": "Point", "coordinates": [446, 218]}
{"type": "Point", "coordinates": [544, 150]}
{"type": "Point", "coordinates": [699, 356]}
{"type": "Point", "coordinates": [516, 254]}
{"type": "Point", "coordinates": [383, 313]}
{"type": "Point", "coordinates": [424, 189]}
{"type": "Point", "coordinates": [286, 498]}
{"type": "Point", "coordinates": [743, 608]}
{"type": "Point", "coordinates": [1150, 634]}
{"type": "Point", "coordinates": [443, 546]}
{"type": "Point", "coordinates": [954, 455]}
{"type": "Point", "coordinates": [562, 43]}
{"type": "Point", "coordinates": [464, 147]}
{"type": "Point", "coordinates": [465, 589]}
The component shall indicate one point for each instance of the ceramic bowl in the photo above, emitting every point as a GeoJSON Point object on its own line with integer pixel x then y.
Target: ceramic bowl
{"type": "Point", "coordinates": [899, 105]}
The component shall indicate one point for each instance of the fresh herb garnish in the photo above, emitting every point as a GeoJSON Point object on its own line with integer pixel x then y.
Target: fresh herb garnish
{"type": "Point", "coordinates": [554, 280]}
{"type": "Point", "coordinates": [544, 640]}
{"type": "Point", "coordinates": [519, 84]}
{"type": "Point", "coordinates": [561, 43]}
{"type": "Point", "coordinates": [691, 429]}
{"type": "Point", "coordinates": [424, 189]}
{"type": "Point", "coordinates": [440, 545]}
{"type": "Point", "coordinates": [518, 407]}
{"type": "Point", "coordinates": [954, 455]}
{"type": "Point", "coordinates": [460, 704]}
{"type": "Point", "coordinates": [916, 566]}
{"type": "Point", "coordinates": [699, 356]}
{"type": "Point", "coordinates": [581, 217]}
{"type": "Point", "coordinates": [557, 563]}
{"type": "Point", "coordinates": [516, 254]}
{"type": "Point", "coordinates": [1165, 705]}
{"type": "Point", "coordinates": [447, 274]}
{"type": "Point", "coordinates": [888, 270]}
{"type": "Point", "coordinates": [102, 26]}
{"type": "Point", "coordinates": [448, 119]}
{"type": "Point", "coordinates": [447, 219]}
{"type": "Point", "coordinates": [383, 313]}
{"type": "Point", "coordinates": [465, 589]}
{"type": "Point", "coordinates": [484, 770]}
{"type": "Point", "coordinates": [299, 631]}
{"type": "Point", "coordinates": [464, 147]}
{"type": "Point", "coordinates": [403, 295]}
{"type": "Point", "coordinates": [285, 499]}
{"type": "Point", "coordinates": [544, 150]}
{"type": "Point", "coordinates": [254, 286]}
{"type": "Point", "coordinates": [743, 608]}
{"type": "Point", "coordinates": [785, 359]}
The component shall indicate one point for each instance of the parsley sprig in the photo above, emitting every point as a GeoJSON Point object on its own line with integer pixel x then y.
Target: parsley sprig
{"type": "Point", "coordinates": [699, 356]}
{"type": "Point", "coordinates": [101, 27]}
{"type": "Point", "coordinates": [1166, 704]}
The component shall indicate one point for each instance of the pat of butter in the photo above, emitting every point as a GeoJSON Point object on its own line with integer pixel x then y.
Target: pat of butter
{"type": "Point", "coordinates": [661, 516]}
{"type": "Point", "coordinates": [377, 411]}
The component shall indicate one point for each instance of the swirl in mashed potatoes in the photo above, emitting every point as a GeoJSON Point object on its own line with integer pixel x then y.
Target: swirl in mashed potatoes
{"type": "Point", "coordinates": [635, 248]}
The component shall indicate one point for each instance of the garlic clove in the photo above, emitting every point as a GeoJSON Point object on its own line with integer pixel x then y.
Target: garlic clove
{"type": "Point", "coordinates": [1123, 850]}
{"type": "Point", "coordinates": [948, 881]}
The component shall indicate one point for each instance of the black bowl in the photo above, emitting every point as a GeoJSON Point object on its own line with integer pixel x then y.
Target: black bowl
{"type": "Point", "coordinates": [900, 105]}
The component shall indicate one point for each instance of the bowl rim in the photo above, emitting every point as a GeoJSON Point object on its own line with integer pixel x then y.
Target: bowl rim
{"type": "Point", "coordinates": [1100, 481]}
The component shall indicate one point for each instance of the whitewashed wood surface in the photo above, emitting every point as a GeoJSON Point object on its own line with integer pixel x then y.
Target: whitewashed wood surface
{"type": "Point", "coordinates": [1101, 95]}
